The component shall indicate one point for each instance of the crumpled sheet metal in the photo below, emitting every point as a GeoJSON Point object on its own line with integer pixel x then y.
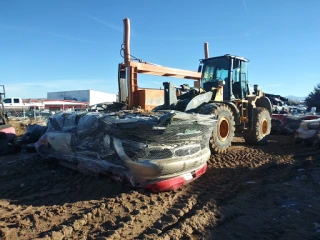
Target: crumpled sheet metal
{"type": "Point", "coordinates": [308, 130]}
{"type": "Point", "coordinates": [135, 148]}
{"type": "Point", "coordinates": [282, 123]}
{"type": "Point", "coordinates": [313, 124]}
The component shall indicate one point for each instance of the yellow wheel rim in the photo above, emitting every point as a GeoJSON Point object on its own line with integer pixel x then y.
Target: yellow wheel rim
{"type": "Point", "coordinates": [264, 126]}
{"type": "Point", "coordinates": [223, 129]}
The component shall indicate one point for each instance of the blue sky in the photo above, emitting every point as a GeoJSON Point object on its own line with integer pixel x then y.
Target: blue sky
{"type": "Point", "coordinates": [68, 45]}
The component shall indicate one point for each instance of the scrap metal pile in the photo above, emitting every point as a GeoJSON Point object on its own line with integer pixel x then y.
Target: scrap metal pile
{"type": "Point", "coordinates": [309, 132]}
{"type": "Point", "coordinates": [159, 151]}
{"type": "Point", "coordinates": [287, 124]}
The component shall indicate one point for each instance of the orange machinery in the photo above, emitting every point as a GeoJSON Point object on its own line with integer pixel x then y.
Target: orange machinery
{"type": "Point", "coordinates": [129, 90]}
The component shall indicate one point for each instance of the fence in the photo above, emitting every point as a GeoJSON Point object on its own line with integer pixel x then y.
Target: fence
{"type": "Point", "coordinates": [31, 114]}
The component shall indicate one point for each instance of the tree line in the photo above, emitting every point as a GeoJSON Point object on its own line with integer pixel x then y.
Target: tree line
{"type": "Point", "coordinates": [313, 99]}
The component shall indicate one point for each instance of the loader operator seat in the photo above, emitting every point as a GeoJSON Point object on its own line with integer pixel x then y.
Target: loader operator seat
{"type": "Point", "coordinates": [207, 86]}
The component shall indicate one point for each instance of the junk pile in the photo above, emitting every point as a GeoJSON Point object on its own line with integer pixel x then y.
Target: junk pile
{"type": "Point", "coordinates": [159, 151]}
{"type": "Point", "coordinates": [309, 132]}
{"type": "Point", "coordinates": [278, 102]}
{"type": "Point", "coordinates": [288, 124]}
{"type": "Point", "coordinates": [32, 135]}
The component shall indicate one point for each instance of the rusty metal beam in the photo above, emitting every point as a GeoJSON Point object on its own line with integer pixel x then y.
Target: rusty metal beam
{"type": "Point", "coordinates": [132, 84]}
{"type": "Point", "coordinates": [126, 41]}
{"type": "Point", "coordinates": [134, 68]}
{"type": "Point", "coordinates": [146, 68]}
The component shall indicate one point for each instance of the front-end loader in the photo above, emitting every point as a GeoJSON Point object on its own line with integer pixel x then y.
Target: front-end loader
{"type": "Point", "coordinates": [224, 91]}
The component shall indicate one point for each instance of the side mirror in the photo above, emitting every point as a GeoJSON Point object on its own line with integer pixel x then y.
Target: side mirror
{"type": "Point", "coordinates": [200, 68]}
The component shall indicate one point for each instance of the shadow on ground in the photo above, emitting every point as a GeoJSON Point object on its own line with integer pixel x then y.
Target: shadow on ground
{"type": "Point", "coordinates": [28, 180]}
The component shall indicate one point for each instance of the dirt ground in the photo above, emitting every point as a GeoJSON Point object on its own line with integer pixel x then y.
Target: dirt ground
{"type": "Point", "coordinates": [263, 192]}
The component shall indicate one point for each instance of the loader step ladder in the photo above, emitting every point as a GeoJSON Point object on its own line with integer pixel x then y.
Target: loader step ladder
{"type": "Point", "coordinates": [242, 105]}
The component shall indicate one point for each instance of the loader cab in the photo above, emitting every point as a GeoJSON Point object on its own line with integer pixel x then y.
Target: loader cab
{"type": "Point", "coordinates": [229, 71]}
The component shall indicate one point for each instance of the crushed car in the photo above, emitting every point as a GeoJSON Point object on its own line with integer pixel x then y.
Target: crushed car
{"type": "Point", "coordinates": [159, 151]}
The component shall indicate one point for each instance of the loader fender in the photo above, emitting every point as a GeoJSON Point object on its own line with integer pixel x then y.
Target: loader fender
{"type": "Point", "coordinates": [235, 111]}
{"type": "Point", "coordinates": [264, 102]}
{"type": "Point", "coordinates": [198, 100]}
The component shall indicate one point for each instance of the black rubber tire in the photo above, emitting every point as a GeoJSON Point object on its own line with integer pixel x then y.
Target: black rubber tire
{"type": "Point", "coordinates": [4, 144]}
{"type": "Point", "coordinates": [260, 132]}
{"type": "Point", "coordinates": [276, 127]}
{"type": "Point", "coordinates": [223, 134]}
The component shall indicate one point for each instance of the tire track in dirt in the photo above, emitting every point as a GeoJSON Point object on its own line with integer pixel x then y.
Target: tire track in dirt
{"type": "Point", "coordinates": [168, 209]}
{"type": "Point", "coordinates": [216, 190]}
{"type": "Point", "coordinates": [56, 193]}
{"type": "Point", "coordinates": [121, 213]}
{"type": "Point", "coordinates": [179, 214]}
{"type": "Point", "coordinates": [125, 216]}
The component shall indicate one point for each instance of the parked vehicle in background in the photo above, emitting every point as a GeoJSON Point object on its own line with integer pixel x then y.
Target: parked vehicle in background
{"type": "Point", "coordinates": [17, 104]}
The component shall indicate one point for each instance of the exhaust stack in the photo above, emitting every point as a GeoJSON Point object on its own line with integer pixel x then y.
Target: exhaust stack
{"type": "Point", "coordinates": [126, 40]}
{"type": "Point", "coordinates": [206, 50]}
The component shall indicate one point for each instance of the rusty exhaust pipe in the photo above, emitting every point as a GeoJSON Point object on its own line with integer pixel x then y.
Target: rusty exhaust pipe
{"type": "Point", "coordinates": [126, 40]}
{"type": "Point", "coordinates": [206, 50]}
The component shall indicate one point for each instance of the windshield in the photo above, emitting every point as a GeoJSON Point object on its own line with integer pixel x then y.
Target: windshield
{"type": "Point", "coordinates": [215, 69]}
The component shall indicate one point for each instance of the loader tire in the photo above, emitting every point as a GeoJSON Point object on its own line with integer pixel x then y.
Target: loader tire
{"type": "Point", "coordinates": [261, 127]}
{"type": "Point", "coordinates": [223, 134]}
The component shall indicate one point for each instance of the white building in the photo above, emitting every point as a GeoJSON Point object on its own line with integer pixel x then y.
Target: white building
{"type": "Point", "coordinates": [92, 97]}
